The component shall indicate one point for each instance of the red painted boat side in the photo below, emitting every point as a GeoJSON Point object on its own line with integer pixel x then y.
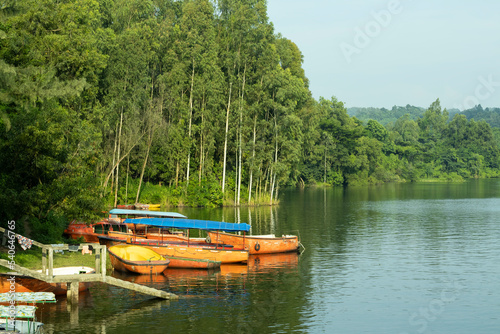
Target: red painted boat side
{"type": "Point", "coordinates": [91, 232]}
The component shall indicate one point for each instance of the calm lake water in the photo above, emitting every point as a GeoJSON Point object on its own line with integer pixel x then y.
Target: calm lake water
{"type": "Point", "coordinates": [397, 258]}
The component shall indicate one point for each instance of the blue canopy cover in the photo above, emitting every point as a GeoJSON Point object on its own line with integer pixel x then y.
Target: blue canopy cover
{"type": "Point", "coordinates": [190, 223]}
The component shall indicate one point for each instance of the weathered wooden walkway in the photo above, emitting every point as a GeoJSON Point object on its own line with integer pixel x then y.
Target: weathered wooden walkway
{"type": "Point", "coordinates": [72, 281]}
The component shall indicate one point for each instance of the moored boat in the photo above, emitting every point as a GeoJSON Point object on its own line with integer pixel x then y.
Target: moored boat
{"type": "Point", "coordinates": [137, 259]}
{"type": "Point", "coordinates": [24, 283]}
{"type": "Point", "coordinates": [196, 249]}
{"type": "Point", "coordinates": [197, 253]}
{"type": "Point", "coordinates": [189, 263]}
{"type": "Point", "coordinates": [139, 229]}
{"type": "Point", "coordinates": [140, 206]}
{"type": "Point", "coordinates": [257, 244]}
{"type": "Point", "coordinates": [91, 232]}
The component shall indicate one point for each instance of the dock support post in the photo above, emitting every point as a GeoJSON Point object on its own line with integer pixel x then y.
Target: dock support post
{"type": "Point", "coordinates": [44, 261]}
{"type": "Point", "coordinates": [98, 260]}
{"type": "Point", "coordinates": [103, 262]}
{"type": "Point", "coordinates": [72, 303]}
{"type": "Point", "coordinates": [51, 262]}
{"type": "Point", "coordinates": [72, 292]}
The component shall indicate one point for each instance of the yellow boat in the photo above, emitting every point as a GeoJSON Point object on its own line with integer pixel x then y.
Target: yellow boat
{"type": "Point", "coordinates": [137, 259]}
{"type": "Point", "coordinates": [200, 253]}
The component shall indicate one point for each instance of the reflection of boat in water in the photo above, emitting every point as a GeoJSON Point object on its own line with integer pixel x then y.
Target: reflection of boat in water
{"type": "Point", "coordinates": [257, 244]}
{"type": "Point", "coordinates": [150, 280]}
{"type": "Point", "coordinates": [137, 259]}
{"type": "Point", "coordinates": [29, 284]}
{"type": "Point", "coordinates": [262, 262]}
{"type": "Point", "coordinates": [233, 269]}
{"type": "Point", "coordinates": [272, 261]}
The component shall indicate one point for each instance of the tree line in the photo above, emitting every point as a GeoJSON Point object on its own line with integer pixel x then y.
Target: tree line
{"type": "Point", "coordinates": [201, 103]}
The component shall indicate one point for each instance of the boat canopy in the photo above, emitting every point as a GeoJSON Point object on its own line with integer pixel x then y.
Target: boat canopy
{"type": "Point", "coordinates": [208, 225]}
{"type": "Point", "coordinates": [147, 213]}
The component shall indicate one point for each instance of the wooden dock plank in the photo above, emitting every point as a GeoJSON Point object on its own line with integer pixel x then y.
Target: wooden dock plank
{"type": "Point", "coordinates": [140, 288]}
{"type": "Point", "coordinates": [23, 271]}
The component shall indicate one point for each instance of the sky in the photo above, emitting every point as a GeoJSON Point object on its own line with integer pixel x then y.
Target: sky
{"type": "Point", "coordinates": [377, 53]}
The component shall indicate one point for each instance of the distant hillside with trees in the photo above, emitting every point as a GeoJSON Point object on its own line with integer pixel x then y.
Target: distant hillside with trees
{"type": "Point", "coordinates": [490, 115]}
{"type": "Point", "coordinates": [385, 116]}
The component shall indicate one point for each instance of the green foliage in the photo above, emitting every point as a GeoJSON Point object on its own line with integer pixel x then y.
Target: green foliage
{"type": "Point", "coordinates": [50, 229]}
{"type": "Point", "coordinates": [385, 116]}
{"type": "Point", "coordinates": [103, 101]}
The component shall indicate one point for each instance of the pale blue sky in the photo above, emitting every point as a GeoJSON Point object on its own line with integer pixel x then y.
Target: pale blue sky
{"type": "Point", "coordinates": [396, 52]}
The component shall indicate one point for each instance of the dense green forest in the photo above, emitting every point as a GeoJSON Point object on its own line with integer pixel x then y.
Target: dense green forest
{"type": "Point", "coordinates": [385, 116]}
{"type": "Point", "coordinates": [199, 103]}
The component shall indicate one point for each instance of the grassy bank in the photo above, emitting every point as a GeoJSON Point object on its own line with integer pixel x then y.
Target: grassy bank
{"type": "Point", "coordinates": [32, 259]}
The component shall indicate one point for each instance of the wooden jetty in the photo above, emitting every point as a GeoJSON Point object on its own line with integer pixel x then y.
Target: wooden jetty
{"type": "Point", "coordinates": [72, 281]}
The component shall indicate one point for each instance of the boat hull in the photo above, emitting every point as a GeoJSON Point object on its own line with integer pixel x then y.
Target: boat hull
{"type": "Point", "coordinates": [137, 259]}
{"type": "Point", "coordinates": [198, 253]}
{"type": "Point", "coordinates": [258, 244]}
{"type": "Point", "coordinates": [187, 263]}
{"type": "Point", "coordinates": [91, 232]}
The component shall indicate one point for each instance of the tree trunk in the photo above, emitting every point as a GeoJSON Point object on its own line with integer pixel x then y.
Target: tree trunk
{"type": "Point", "coordinates": [126, 180]}
{"type": "Point", "coordinates": [177, 174]}
{"type": "Point", "coordinates": [118, 162]}
{"type": "Point", "coordinates": [324, 177]}
{"type": "Point", "coordinates": [202, 156]}
{"type": "Point", "coordinates": [118, 156]}
{"type": "Point", "coordinates": [242, 96]}
{"type": "Point", "coordinates": [253, 158]}
{"type": "Point", "coordinates": [225, 140]}
{"type": "Point", "coordinates": [190, 122]}
{"type": "Point", "coordinates": [114, 157]}
{"type": "Point", "coordinates": [150, 141]}
{"type": "Point", "coordinates": [275, 159]}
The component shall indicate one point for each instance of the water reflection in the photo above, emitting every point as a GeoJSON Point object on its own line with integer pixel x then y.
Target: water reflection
{"type": "Point", "coordinates": [378, 260]}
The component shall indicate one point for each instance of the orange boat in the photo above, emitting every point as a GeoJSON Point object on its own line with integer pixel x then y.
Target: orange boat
{"type": "Point", "coordinates": [257, 244]}
{"type": "Point", "coordinates": [29, 284]}
{"type": "Point", "coordinates": [137, 259]}
{"type": "Point", "coordinates": [175, 261]}
{"type": "Point", "coordinates": [91, 232]}
{"type": "Point", "coordinates": [198, 249]}
{"type": "Point", "coordinates": [199, 253]}
{"type": "Point", "coordinates": [187, 263]}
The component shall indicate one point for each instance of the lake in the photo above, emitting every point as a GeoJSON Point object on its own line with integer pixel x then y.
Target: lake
{"type": "Point", "coordinates": [395, 258]}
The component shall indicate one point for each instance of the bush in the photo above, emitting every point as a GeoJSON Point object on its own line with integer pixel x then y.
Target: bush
{"type": "Point", "coordinates": [48, 230]}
